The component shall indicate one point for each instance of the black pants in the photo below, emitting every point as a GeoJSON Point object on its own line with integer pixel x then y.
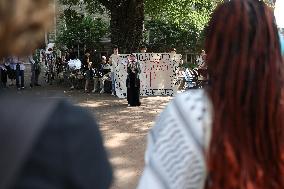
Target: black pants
{"type": "Point", "coordinates": [133, 91]}
{"type": "Point", "coordinates": [20, 73]}
{"type": "Point", "coordinates": [35, 75]}
{"type": "Point", "coordinates": [3, 74]}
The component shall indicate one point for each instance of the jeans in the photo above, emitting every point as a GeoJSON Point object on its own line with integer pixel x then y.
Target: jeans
{"type": "Point", "coordinates": [20, 73]}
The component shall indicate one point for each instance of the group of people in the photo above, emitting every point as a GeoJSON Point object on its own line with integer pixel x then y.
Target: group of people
{"type": "Point", "coordinates": [227, 136]}
{"type": "Point", "coordinates": [13, 68]}
{"type": "Point", "coordinates": [102, 75]}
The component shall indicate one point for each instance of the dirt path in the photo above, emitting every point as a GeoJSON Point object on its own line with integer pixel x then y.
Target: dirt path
{"type": "Point", "coordinates": [124, 128]}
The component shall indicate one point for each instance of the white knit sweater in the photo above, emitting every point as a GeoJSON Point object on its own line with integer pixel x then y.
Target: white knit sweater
{"type": "Point", "coordinates": [175, 153]}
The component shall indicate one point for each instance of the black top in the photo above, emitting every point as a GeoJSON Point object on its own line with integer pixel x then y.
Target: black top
{"type": "Point", "coordinates": [72, 55]}
{"type": "Point", "coordinates": [85, 62]}
{"type": "Point", "coordinates": [96, 59]}
{"type": "Point", "coordinates": [68, 154]}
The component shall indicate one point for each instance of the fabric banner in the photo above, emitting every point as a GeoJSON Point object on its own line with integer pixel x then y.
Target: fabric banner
{"type": "Point", "coordinates": [158, 73]}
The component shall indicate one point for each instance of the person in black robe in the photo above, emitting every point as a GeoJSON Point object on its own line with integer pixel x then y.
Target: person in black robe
{"type": "Point", "coordinates": [133, 82]}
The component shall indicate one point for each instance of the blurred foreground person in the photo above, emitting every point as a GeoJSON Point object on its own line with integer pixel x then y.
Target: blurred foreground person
{"type": "Point", "coordinates": [44, 143]}
{"type": "Point", "coordinates": [229, 136]}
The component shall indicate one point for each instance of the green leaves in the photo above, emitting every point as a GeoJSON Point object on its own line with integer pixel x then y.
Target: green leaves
{"type": "Point", "coordinates": [178, 23]}
{"type": "Point", "coordinates": [81, 30]}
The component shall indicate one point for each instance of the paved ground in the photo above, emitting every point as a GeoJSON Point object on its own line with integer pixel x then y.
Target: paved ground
{"type": "Point", "coordinates": [124, 128]}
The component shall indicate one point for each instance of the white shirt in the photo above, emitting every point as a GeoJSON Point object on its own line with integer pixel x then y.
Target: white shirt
{"type": "Point", "coordinates": [114, 58]}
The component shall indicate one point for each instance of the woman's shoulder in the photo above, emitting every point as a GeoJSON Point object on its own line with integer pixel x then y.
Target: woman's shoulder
{"type": "Point", "coordinates": [177, 142]}
{"type": "Point", "coordinates": [191, 112]}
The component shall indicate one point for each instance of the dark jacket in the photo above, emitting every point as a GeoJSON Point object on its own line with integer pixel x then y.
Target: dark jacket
{"type": "Point", "coordinates": [68, 153]}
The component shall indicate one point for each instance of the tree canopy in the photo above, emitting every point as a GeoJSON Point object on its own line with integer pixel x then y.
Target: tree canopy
{"type": "Point", "coordinates": [81, 30]}
{"type": "Point", "coordinates": [168, 23]}
{"type": "Point", "coordinates": [181, 21]}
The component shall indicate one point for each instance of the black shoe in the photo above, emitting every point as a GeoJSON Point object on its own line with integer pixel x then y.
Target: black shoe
{"type": "Point", "coordinates": [38, 85]}
{"type": "Point", "coordinates": [31, 85]}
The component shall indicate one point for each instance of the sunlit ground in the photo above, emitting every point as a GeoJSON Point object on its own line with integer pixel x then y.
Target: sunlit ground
{"type": "Point", "coordinates": [124, 128]}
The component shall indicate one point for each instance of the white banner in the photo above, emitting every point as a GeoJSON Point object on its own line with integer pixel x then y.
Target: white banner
{"type": "Point", "coordinates": [158, 73]}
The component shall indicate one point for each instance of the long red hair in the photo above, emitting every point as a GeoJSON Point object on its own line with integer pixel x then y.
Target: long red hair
{"type": "Point", "coordinates": [246, 73]}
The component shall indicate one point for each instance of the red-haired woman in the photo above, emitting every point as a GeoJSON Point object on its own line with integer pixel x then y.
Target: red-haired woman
{"type": "Point", "coordinates": [229, 136]}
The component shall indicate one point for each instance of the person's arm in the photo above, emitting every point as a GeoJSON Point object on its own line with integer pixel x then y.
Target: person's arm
{"type": "Point", "coordinates": [128, 67]}
{"type": "Point", "coordinates": [31, 60]}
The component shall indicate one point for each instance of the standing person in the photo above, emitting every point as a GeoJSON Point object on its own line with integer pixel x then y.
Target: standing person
{"type": "Point", "coordinates": [133, 81]}
{"type": "Point", "coordinates": [86, 68]}
{"type": "Point", "coordinates": [3, 74]}
{"type": "Point", "coordinates": [98, 75]}
{"type": "Point", "coordinates": [35, 68]}
{"type": "Point", "coordinates": [11, 67]}
{"type": "Point", "coordinates": [230, 135]}
{"type": "Point", "coordinates": [203, 60]}
{"type": "Point", "coordinates": [96, 66]}
{"type": "Point", "coordinates": [20, 73]}
{"type": "Point", "coordinates": [50, 63]}
{"type": "Point", "coordinates": [114, 58]}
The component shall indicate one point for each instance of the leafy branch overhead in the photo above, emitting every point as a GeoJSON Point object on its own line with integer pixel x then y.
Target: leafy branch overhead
{"type": "Point", "coordinates": [81, 30]}
{"type": "Point", "coordinates": [168, 23]}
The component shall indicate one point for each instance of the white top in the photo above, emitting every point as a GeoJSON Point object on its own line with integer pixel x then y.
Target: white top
{"type": "Point", "coordinates": [114, 60]}
{"type": "Point", "coordinates": [175, 153]}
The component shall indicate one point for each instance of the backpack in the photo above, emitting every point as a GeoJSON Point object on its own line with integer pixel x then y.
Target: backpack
{"type": "Point", "coordinates": [19, 130]}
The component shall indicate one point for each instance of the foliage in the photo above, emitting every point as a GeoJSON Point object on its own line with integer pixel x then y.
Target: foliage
{"type": "Point", "coordinates": [170, 23]}
{"type": "Point", "coordinates": [127, 36]}
{"type": "Point", "coordinates": [81, 30]}
{"type": "Point", "coordinates": [178, 23]}
{"type": "Point", "coordinates": [164, 35]}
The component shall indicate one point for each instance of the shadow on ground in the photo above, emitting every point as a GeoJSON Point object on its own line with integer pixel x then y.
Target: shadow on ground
{"type": "Point", "coordinates": [124, 128]}
{"type": "Point", "coordinates": [125, 131]}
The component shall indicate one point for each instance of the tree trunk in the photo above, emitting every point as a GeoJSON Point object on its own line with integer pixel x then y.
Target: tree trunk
{"type": "Point", "coordinates": [127, 19]}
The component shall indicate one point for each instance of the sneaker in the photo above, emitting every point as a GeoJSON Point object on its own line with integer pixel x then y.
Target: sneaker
{"type": "Point", "coordinates": [22, 88]}
{"type": "Point", "coordinates": [31, 85]}
{"type": "Point", "coordinates": [94, 91]}
{"type": "Point", "coordinates": [72, 87]}
{"type": "Point", "coordinates": [128, 105]}
{"type": "Point", "coordinates": [102, 91]}
{"type": "Point", "coordinates": [112, 93]}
